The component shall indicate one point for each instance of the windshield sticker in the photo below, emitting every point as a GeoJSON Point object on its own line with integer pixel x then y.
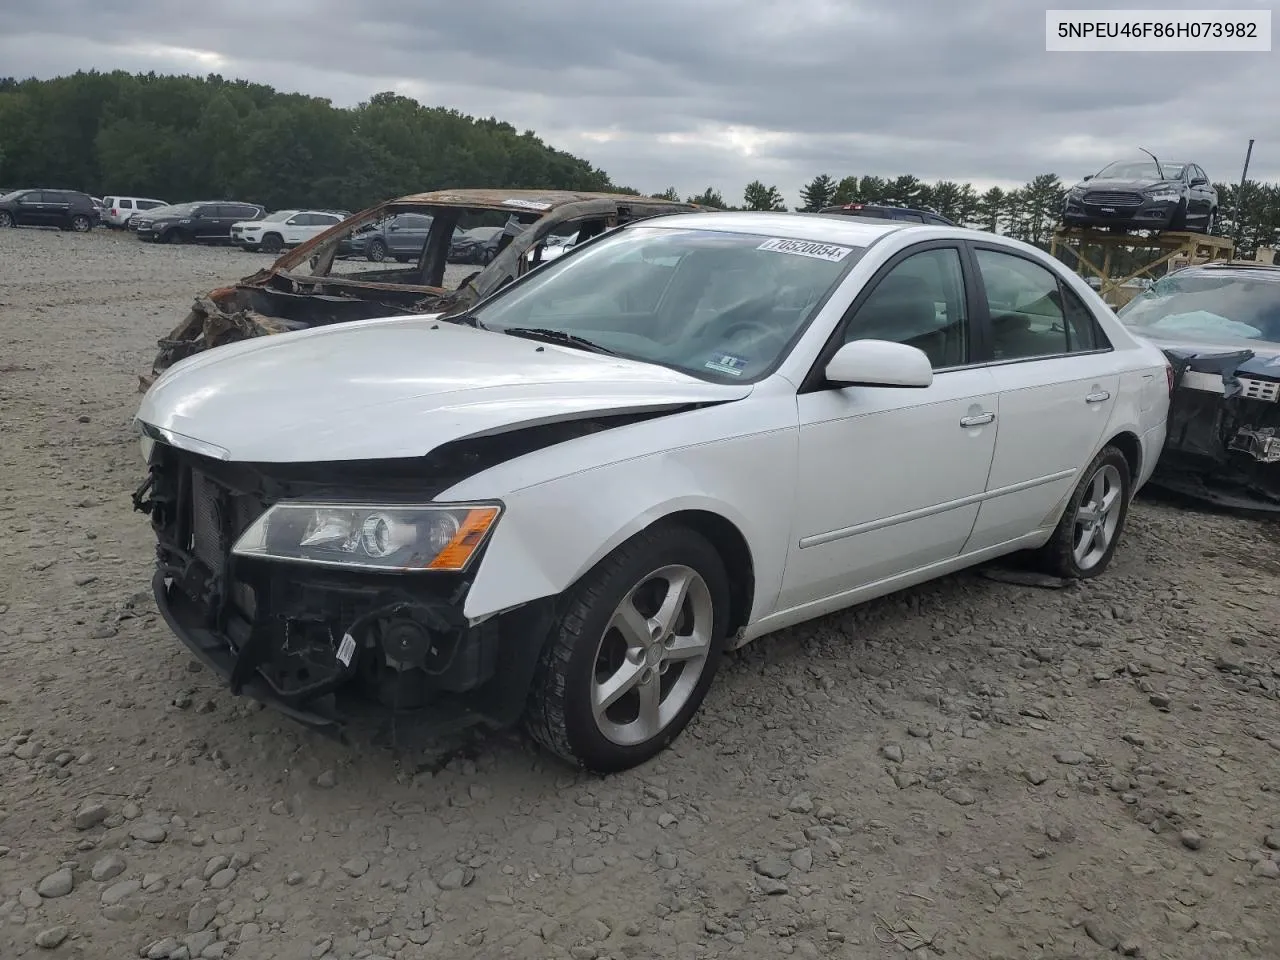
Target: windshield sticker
{"type": "Point", "coordinates": [527, 204]}
{"type": "Point", "coordinates": [725, 363]}
{"type": "Point", "coordinates": [807, 248]}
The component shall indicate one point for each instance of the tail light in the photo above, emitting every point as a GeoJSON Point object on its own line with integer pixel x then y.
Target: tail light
{"type": "Point", "coordinates": [1168, 376]}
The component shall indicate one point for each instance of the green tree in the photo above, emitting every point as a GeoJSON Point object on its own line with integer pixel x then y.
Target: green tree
{"type": "Point", "coordinates": [991, 210]}
{"type": "Point", "coordinates": [709, 197]}
{"type": "Point", "coordinates": [846, 191]}
{"type": "Point", "coordinates": [195, 138]}
{"type": "Point", "coordinates": [817, 193]}
{"type": "Point", "coordinates": [668, 194]}
{"type": "Point", "coordinates": [759, 197]}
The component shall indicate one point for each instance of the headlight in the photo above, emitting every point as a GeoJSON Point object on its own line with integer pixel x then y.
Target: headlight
{"type": "Point", "coordinates": [1077, 192]}
{"type": "Point", "coordinates": [1162, 193]}
{"type": "Point", "coordinates": [147, 445]}
{"type": "Point", "coordinates": [371, 536]}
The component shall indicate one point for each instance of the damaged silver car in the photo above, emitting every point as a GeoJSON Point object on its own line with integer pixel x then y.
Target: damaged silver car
{"type": "Point", "coordinates": [310, 286]}
{"type": "Point", "coordinates": [1219, 325]}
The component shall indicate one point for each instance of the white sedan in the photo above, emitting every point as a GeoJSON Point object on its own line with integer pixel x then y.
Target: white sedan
{"type": "Point", "coordinates": [565, 503]}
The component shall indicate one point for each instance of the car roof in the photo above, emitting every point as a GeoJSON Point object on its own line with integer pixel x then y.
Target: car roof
{"type": "Point", "coordinates": [535, 200]}
{"type": "Point", "coordinates": [854, 231]}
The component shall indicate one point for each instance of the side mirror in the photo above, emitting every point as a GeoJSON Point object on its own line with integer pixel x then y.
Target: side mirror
{"type": "Point", "coordinates": [1087, 176]}
{"type": "Point", "coordinates": [879, 363]}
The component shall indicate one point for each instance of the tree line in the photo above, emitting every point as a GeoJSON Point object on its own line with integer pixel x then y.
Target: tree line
{"type": "Point", "coordinates": [1029, 213]}
{"type": "Point", "coordinates": [203, 138]}
{"type": "Point", "coordinates": [186, 138]}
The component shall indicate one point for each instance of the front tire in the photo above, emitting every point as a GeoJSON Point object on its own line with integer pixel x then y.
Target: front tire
{"type": "Point", "coordinates": [632, 655]}
{"type": "Point", "coordinates": [272, 243]}
{"type": "Point", "coordinates": [6, 220]}
{"type": "Point", "coordinates": [376, 251]}
{"type": "Point", "coordinates": [1211, 221]}
{"type": "Point", "coordinates": [1179, 219]}
{"type": "Point", "coordinates": [1086, 537]}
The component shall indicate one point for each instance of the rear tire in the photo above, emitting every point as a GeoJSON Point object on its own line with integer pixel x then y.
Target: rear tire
{"type": "Point", "coordinates": [643, 630]}
{"type": "Point", "coordinates": [1086, 537]}
{"type": "Point", "coordinates": [81, 224]}
{"type": "Point", "coordinates": [376, 251]}
{"type": "Point", "coordinates": [272, 243]}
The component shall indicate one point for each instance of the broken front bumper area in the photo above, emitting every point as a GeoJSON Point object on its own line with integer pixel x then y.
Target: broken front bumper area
{"type": "Point", "coordinates": [1223, 439]}
{"type": "Point", "coordinates": [328, 646]}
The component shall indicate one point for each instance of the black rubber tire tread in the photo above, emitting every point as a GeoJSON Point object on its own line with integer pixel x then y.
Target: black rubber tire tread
{"type": "Point", "coordinates": [376, 245]}
{"type": "Point", "coordinates": [9, 219]}
{"type": "Point", "coordinates": [1179, 219]}
{"type": "Point", "coordinates": [272, 243]}
{"type": "Point", "coordinates": [1055, 557]}
{"type": "Point", "coordinates": [88, 224]}
{"type": "Point", "coordinates": [550, 717]}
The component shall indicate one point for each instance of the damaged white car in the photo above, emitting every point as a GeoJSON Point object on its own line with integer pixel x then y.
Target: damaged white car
{"type": "Point", "coordinates": [563, 504]}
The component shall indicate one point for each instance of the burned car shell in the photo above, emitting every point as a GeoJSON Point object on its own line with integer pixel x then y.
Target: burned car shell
{"type": "Point", "coordinates": [298, 291]}
{"type": "Point", "coordinates": [1223, 440]}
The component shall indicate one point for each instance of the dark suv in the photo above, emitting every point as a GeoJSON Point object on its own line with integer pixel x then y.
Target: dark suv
{"type": "Point", "coordinates": [203, 221]}
{"type": "Point", "coordinates": [64, 209]}
{"type": "Point", "coordinates": [880, 211]}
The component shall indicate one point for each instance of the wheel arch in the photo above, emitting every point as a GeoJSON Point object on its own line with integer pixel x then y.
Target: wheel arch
{"type": "Point", "coordinates": [730, 543]}
{"type": "Point", "coordinates": [1127, 442]}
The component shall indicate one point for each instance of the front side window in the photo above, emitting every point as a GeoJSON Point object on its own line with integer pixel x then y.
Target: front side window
{"type": "Point", "coordinates": [919, 302]}
{"type": "Point", "coordinates": [721, 306]}
{"type": "Point", "coordinates": [1231, 311]}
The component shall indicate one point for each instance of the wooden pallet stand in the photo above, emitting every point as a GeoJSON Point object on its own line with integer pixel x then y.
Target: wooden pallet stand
{"type": "Point", "coordinates": [1167, 250]}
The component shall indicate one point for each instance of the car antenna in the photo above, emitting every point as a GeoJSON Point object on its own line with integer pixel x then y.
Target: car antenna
{"type": "Point", "coordinates": [1159, 169]}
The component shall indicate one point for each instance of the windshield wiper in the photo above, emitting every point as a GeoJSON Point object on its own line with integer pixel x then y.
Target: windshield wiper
{"type": "Point", "coordinates": [560, 337]}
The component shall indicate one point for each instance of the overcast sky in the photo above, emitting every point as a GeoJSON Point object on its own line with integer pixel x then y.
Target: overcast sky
{"type": "Point", "coordinates": [691, 93]}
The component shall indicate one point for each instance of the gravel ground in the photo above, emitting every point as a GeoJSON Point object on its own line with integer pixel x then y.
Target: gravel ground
{"type": "Point", "coordinates": [971, 769]}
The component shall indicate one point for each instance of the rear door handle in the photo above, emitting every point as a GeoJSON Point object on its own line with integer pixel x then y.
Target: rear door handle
{"type": "Point", "coordinates": [977, 420]}
{"type": "Point", "coordinates": [1098, 397]}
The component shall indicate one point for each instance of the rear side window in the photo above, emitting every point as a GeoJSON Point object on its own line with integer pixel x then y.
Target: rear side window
{"type": "Point", "coordinates": [1031, 313]}
{"type": "Point", "coordinates": [149, 204]}
{"type": "Point", "coordinates": [123, 204]}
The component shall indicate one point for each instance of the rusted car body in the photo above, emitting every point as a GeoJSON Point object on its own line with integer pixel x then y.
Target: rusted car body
{"type": "Point", "coordinates": [301, 289]}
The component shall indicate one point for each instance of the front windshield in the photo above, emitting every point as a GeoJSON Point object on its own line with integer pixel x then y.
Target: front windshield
{"type": "Point", "coordinates": [721, 306]}
{"type": "Point", "coordinates": [1202, 307]}
{"type": "Point", "coordinates": [1140, 170]}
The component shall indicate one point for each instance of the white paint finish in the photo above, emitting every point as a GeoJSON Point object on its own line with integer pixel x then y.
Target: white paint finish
{"type": "Point", "coordinates": [396, 388]}
{"type": "Point", "coordinates": [872, 499]}
{"type": "Point", "coordinates": [880, 363]}
{"type": "Point", "coordinates": [884, 484]}
{"type": "Point", "coordinates": [1048, 432]}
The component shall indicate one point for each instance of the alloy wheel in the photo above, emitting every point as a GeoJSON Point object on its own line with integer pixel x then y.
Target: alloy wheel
{"type": "Point", "coordinates": [651, 655]}
{"type": "Point", "coordinates": [1097, 517]}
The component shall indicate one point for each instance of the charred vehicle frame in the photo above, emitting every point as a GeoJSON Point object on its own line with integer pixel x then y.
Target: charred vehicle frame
{"type": "Point", "coordinates": [300, 291]}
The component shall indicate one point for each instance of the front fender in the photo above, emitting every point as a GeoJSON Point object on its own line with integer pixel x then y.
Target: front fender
{"type": "Point", "coordinates": [552, 533]}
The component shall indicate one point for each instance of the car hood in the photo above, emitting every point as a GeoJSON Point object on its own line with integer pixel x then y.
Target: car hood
{"type": "Point", "coordinates": [258, 223]}
{"type": "Point", "coordinates": [400, 387]}
{"type": "Point", "coordinates": [1111, 184]}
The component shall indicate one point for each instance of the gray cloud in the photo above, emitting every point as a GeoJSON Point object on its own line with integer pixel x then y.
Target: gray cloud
{"type": "Point", "coordinates": [713, 92]}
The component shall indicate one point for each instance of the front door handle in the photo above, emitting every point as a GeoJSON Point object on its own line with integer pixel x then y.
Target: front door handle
{"type": "Point", "coordinates": [1098, 397]}
{"type": "Point", "coordinates": [977, 419]}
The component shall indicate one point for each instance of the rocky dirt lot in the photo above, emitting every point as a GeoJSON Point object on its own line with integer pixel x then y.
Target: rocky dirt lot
{"type": "Point", "coordinates": [972, 769]}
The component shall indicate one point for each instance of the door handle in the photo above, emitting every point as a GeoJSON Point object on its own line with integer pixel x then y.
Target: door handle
{"type": "Point", "coordinates": [1098, 397]}
{"type": "Point", "coordinates": [977, 420]}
